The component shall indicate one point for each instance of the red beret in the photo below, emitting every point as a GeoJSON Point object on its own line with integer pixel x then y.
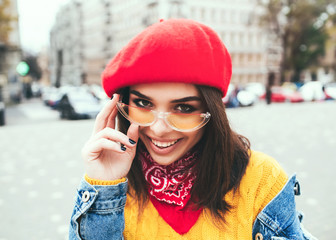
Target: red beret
{"type": "Point", "coordinates": [174, 50]}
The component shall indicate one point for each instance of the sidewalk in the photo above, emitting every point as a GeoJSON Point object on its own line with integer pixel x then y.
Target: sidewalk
{"type": "Point", "coordinates": [29, 111]}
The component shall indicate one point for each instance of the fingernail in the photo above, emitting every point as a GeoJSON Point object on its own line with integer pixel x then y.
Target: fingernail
{"type": "Point", "coordinates": [112, 96]}
{"type": "Point", "coordinates": [132, 141]}
{"type": "Point", "coordinates": [123, 148]}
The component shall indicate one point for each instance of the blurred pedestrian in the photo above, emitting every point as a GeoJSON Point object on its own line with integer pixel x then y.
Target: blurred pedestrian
{"type": "Point", "coordinates": [270, 83]}
{"type": "Point", "coordinates": [173, 168]}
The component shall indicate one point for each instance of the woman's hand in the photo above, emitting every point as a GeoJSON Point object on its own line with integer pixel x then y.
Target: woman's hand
{"type": "Point", "coordinates": [108, 154]}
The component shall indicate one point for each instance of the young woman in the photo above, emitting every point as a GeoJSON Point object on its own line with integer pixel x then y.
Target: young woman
{"type": "Point", "coordinates": [171, 167]}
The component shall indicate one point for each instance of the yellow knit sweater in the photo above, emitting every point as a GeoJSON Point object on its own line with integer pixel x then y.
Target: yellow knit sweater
{"type": "Point", "coordinates": [263, 180]}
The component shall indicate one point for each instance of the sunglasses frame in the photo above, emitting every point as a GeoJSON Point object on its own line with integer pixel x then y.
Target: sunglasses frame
{"type": "Point", "coordinates": [162, 115]}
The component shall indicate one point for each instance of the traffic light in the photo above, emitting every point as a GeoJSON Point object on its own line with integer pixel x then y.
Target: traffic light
{"type": "Point", "coordinates": [22, 68]}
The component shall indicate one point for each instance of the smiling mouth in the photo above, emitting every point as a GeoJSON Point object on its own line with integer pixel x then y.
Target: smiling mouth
{"type": "Point", "coordinates": [164, 144]}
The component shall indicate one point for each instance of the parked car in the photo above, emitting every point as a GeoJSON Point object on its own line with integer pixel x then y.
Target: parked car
{"type": "Point", "coordinates": [98, 92]}
{"type": "Point", "coordinates": [78, 104]}
{"type": "Point", "coordinates": [230, 99]}
{"type": "Point", "coordinates": [256, 88]}
{"type": "Point", "coordinates": [51, 96]}
{"type": "Point", "coordinates": [238, 97]}
{"type": "Point", "coordinates": [246, 98]}
{"type": "Point", "coordinates": [15, 89]}
{"type": "Point", "coordinates": [292, 95]}
{"type": "Point", "coordinates": [284, 94]}
{"type": "Point", "coordinates": [289, 85]}
{"type": "Point", "coordinates": [330, 91]}
{"type": "Point", "coordinates": [36, 89]}
{"type": "Point", "coordinates": [312, 91]}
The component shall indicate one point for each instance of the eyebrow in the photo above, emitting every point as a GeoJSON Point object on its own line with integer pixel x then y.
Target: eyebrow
{"type": "Point", "coordinates": [185, 99]}
{"type": "Point", "coordinates": [140, 95]}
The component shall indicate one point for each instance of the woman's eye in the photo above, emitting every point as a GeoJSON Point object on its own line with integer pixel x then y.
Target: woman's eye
{"type": "Point", "coordinates": [142, 103]}
{"type": "Point", "coordinates": [184, 108]}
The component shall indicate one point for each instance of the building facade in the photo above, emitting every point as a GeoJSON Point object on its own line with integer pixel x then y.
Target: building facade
{"type": "Point", "coordinates": [10, 54]}
{"type": "Point", "coordinates": [66, 46]}
{"type": "Point", "coordinates": [87, 34]}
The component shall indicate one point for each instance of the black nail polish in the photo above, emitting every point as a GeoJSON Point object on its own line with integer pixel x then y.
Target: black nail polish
{"type": "Point", "coordinates": [123, 148]}
{"type": "Point", "coordinates": [112, 97]}
{"type": "Point", "coordinates": [132, 141]}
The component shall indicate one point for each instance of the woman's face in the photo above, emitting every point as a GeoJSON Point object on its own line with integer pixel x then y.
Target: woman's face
{"type": "Point", "coordinates": [165, 144]}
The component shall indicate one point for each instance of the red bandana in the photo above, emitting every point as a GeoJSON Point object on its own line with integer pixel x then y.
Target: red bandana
{"type": "Point", "coordinates": [169, 189]}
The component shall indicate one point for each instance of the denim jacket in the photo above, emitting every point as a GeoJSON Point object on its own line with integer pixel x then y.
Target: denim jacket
{"type": "Point", "coordinates": [99, 214]}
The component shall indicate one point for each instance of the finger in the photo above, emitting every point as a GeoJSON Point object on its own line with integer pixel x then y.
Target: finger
{"type": "Point", "coordinates": [133, 133]}
{"type": "Point", "coordinates": [113, 135]}
{"type": "Point", "coordinates": [104, 115]}
{"type": "Point", "coordinates": [94, 149]}
{"type": "Point", "coordinates": [112, 119]}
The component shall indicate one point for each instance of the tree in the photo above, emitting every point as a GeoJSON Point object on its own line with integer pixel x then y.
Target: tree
{"type": "Point", "coordinates": [300, 24]}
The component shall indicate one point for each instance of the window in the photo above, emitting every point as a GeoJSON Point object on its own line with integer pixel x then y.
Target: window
{"type": "Point", "coordinates": [202, 14]}
{"type": "Point", "coordinates": [193, 12]}
{"type": "Point", "coordinates": [214, 15]}
{"type": "Point", "coordinates": [223, 16]}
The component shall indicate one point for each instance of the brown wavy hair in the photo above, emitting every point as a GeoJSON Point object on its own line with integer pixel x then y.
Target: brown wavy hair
{"type": "Point", "coordinates": [224, 156]}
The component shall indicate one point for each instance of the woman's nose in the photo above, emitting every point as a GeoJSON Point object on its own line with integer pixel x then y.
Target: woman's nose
{"type": "Point", "coordinates": [160, 127]}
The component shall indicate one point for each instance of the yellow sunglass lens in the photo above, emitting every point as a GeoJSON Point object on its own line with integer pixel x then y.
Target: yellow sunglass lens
{"type": "Point", "coordinates": [185, 121]}
{"type": "Point", "coordinates": [141, 116]}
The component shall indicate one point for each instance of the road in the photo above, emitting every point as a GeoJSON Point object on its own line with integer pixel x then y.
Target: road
{"type": "Point", "coordinates": [40, 163]}
{"type": "Point", "coordinates": [302, 138]}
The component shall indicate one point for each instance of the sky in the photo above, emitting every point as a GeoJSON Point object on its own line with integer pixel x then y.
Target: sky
{"type": "Point", "coordinates": [36, 17]}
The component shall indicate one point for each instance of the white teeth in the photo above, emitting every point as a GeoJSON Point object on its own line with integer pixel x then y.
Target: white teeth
{"type": "Point", "coordinates": [163, 144]}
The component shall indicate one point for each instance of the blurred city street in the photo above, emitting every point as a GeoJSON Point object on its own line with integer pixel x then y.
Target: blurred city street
{"type": "Point", "coordinates": [279, 52]}
{"type": "Point", "coordinates": [41, 166]}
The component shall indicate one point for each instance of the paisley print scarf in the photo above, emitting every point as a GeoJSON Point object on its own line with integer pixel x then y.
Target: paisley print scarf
{"type": "Point", "coordinates": [169, 189]}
